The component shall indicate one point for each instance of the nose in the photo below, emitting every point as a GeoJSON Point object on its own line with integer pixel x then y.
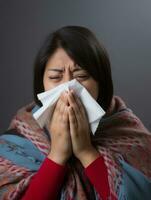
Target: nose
{"type": "Point", "coordinates": [68, 76]}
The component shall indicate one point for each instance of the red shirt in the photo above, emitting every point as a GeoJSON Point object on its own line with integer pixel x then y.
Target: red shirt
{"type": "Point", "coordinates": [47, 183]}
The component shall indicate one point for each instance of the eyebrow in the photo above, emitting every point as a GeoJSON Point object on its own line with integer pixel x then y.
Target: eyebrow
{"type": "Point", "coordinates": [55, 69]}
{"type": "Point", "coordinates": [61, 70]}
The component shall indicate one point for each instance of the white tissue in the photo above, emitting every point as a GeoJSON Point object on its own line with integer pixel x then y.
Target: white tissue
{"type": "Point", "coordinates": [50, 97]}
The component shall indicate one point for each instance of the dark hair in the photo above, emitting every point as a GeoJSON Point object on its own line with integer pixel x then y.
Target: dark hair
{"type": "Point", "coordinates": [85, 50]}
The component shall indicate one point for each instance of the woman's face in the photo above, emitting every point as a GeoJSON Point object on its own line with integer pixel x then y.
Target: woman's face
{"type": "Point", "coordinates": [60, 68]}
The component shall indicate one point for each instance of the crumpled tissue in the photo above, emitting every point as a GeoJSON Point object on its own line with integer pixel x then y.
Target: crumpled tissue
{"type": "Point", "coordinates": [50, 97]}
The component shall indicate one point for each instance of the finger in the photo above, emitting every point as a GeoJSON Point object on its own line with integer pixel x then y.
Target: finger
{"type": "Point", "coordinates": [65, 114]}
{"type": "Point", "coordinates": [61, 107]}
{"type": "Point", "coordinates": [57, 109]}
{"type": "Point", "coordinates": [64, 97]}
{"type": "Point", "coordinates": [72, 119]}
{"type": "Point", "coordinates": [74, 105]}
{"type": "Point", "coordinates": [63, 119]}
{"type": "Point", "coordinates": [60, 102]}
{"type": "Point", "coordinates": [64, 104]}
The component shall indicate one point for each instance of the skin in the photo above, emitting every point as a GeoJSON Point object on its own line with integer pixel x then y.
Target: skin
{"type": "Point", "coordinates": [67, 135]}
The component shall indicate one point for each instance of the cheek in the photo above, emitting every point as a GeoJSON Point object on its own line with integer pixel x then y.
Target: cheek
{"type": "Point", "coordinates": [95, 92]}
{"type": "Point", "coordinates": [46, 83]}
{"type": "Point", "coordinates": [92, 88]}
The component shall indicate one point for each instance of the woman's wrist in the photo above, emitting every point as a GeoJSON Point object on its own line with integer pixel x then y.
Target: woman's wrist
{"type": "Point", "coordinates": [61, 160]}
{"type": "Point", "coordinates": [88, 156]}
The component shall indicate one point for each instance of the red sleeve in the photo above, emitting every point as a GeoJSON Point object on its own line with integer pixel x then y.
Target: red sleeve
{"type": "Point", "coordinates": [47, 183]}
{"type": "Point", "coordinates": [97, 174]}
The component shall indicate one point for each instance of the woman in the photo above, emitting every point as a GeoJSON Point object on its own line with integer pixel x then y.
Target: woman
{"type": "Point", "coordinates": [64, 160]}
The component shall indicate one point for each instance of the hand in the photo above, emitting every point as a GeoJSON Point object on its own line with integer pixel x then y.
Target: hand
{"type": "Point", "coordinates": [80, 131]}
{"type": "Point", "coordinates": [61, 146]}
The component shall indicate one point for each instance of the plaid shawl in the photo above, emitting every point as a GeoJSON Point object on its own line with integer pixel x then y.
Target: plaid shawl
{"type": "Point", "coordinates": [120, 136]}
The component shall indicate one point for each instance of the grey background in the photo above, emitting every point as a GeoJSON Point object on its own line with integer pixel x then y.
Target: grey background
{"type": "Point", "coordinates": [123, 26]}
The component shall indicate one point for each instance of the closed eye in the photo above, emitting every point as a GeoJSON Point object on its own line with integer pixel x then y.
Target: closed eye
{"type": "Point", "coordinates": [82, 76]}
{"type": "Point", "coordinates": [54, 77]}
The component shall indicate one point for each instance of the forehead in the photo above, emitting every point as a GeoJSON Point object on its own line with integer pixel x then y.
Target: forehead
{"type": "Point", "coordinates": [60, 59]}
